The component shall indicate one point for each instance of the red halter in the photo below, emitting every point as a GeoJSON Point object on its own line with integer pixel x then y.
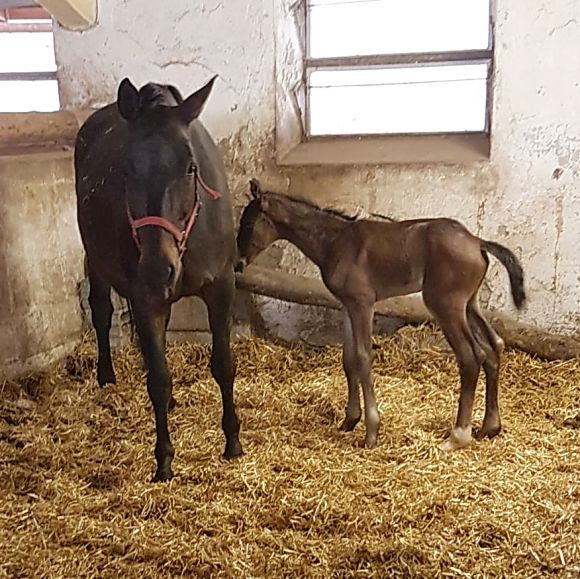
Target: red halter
{"type": "Point", "coordinates": [180, 236]}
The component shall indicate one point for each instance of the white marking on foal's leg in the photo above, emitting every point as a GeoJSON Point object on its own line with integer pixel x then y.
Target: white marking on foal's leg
{"type": "Point", "coordinates": [459, 438]}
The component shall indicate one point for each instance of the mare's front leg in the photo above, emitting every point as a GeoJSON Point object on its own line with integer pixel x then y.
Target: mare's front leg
{"type": "Point", "coordinates": [101, 315]}
{"type": "Point", "coordinates": [361, 319]}
{"type": "Point", "coordinates": [218, 298]}
{"type": "Point", "coordinates": [151, 324]}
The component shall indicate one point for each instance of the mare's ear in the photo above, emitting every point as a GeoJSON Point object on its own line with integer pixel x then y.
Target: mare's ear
{"type": "Point", "coordinates": [255, 189]}
{"type": "Point", "coordinates": [176, 94]}
{"type": "Point", "coordinates": [192, 106]}
{"type": "Point", "coordinates": [128, 100]}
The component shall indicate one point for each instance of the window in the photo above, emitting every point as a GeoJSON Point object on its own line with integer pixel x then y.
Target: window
{"type": "Point", "coordinates": [27, 67]}
{"type": "Point", "coordinates": [387, 76]}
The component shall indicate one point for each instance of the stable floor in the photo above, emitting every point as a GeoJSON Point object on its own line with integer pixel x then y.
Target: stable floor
{"type": "Point", "coordinates": [305, 500]}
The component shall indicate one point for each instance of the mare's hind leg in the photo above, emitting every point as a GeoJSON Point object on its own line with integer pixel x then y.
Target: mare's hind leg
{"type": "Point", "coordinates": [101, 314]}
{"type": "Point", "coordinates": [493, 346]}
{"type": "Point", "coordinates": [450, 313]}
{"type": "Point", "coordinates": [349, 364]}
{"type": "Point", "coordinates": [219, 300]}
{"type": "Point", "coordinates": [361, 318]}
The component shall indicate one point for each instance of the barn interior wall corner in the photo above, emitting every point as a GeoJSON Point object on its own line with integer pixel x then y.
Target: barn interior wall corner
{"type": "Point", "coordinates": [72, 14]}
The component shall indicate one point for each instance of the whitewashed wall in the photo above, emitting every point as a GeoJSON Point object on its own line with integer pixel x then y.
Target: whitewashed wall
{"type": "Point", "coordinates": [527, 196]}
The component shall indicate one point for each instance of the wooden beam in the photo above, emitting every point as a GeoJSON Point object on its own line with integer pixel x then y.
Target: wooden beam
{"type": "Point", "coordinates": [310, 291]}
{"type": "Point", "coordinates": [72, 14]}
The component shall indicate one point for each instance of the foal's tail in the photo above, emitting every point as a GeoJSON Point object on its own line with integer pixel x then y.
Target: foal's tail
{"type": "Point", "coordinates": [514, 269]}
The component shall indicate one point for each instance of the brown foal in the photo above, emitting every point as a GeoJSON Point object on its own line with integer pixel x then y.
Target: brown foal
{"type": "Point", "coordinates": [364, 261]}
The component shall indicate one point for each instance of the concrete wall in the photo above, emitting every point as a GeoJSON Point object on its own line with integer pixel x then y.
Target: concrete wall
{"type": "Point", "coordinates": [40, 261]}
{"type": "Point", "coordinates": [527, 196]}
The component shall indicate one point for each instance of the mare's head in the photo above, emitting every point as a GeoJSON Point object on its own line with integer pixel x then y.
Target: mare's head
{"type": "Point", "coordinates": [257, 231]}
{"type": "Point", "coordinates": [160, 166]}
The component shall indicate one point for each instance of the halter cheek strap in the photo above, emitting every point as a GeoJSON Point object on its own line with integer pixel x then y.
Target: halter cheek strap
{"type": "Point", "coordinates": [180, 236]}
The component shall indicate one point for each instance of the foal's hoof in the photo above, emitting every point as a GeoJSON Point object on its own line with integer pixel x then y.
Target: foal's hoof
{"type": "Point", "coordinates": [348, 424]}
{"type": "Point", "coordinates": [488, 431]}
{"type": "Point", "coordinates": [172, 404]}
{"type": "Point", "coordinates": [106, 376]}
{"type": "Point", "coordinates": [233, 450]}
{"type": "Point", "coordinates": [371, 441]}
{"type": "Point", "coordinates": [162, 475]}
{"type": "Point", "coordinates": [458, 438]}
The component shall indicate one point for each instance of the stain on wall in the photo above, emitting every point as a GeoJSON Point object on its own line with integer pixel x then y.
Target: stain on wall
{"type": "Point", "coordinates": [41, 262]}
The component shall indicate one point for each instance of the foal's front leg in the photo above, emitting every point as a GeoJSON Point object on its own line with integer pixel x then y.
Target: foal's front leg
{"type": "Point", "coordinates": [151, 330]}
{"type": "Point", "coordinates": [361, 319]}
{"type": "Point", "coordinates": [350, 366]}
{"type": "Point", "coordinates": [219, 301]}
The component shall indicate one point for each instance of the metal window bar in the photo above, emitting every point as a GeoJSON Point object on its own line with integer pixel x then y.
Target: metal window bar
{"type": "Point", "coordinates": [36, 75]}
{"type": "Point", "coordinates": [398, 61]}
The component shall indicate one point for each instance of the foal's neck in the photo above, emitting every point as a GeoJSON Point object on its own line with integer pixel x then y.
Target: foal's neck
{"type": "Point", "coordinates": [310, 229]}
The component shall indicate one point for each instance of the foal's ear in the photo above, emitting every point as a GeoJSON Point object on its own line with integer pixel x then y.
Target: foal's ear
{"type": "Point", "coordinates": [255, 189]}
{"type": "Point", "coordinates": [128, 100]}
{"type": "Point", "coordinates": [192, 106]}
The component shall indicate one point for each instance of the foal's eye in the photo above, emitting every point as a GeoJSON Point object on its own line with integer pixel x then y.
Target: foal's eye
{"type": "Point", "coordinates": [190, 169]}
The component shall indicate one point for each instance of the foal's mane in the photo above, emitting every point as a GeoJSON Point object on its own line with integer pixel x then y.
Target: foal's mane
{"type": "Point", "coordinates": [330, 211]}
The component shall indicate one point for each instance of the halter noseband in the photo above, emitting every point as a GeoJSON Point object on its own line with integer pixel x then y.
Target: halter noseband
{"type": "Point", "coordinates": [180, 236]}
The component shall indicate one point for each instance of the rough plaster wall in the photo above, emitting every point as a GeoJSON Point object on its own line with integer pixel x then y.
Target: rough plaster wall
{"type": "Point", "coordinates": [40, 262]}
{"type": "Point", "coordinates": [527, 196]}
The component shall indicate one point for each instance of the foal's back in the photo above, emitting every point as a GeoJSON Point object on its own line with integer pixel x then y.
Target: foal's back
{"type": "Point", "coordinates": [391, 258]}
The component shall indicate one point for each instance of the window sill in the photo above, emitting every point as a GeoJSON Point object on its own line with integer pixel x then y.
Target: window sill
{"type": "Point", "coordinates": [390, 149]}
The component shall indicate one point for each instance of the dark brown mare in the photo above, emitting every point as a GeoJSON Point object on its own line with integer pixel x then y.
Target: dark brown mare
{"type": "Point", "coordinates": [155, 217]}
{"type": "Point", "coordinates": [364, 261]}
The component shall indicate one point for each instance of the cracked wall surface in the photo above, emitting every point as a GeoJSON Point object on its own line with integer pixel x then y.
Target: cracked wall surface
{"type": "Point", "coordinates": [526, 197]}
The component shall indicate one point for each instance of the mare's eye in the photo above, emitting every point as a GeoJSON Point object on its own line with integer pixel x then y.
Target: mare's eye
{"type": "Point", "coordinates": [190, 169]}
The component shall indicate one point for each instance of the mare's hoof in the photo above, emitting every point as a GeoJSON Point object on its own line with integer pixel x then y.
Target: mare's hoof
{"type": "Point", "coordinates": [458, 438]}
{"type": "Point", "coordinates": [349, 424]}
{"type": "Point", "coordinates": [163, 475]}
{"type": "Point", "coordinates": [106, 376]}
{"type": "Point", "coordinates": [233, 450]}
{"type": "Point", "coordinates": [486, 431]}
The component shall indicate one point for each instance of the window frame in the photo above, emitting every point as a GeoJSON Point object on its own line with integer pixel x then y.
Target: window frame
{"type": "Point", "coordinates": [294, 144]}
{"type": "Point", "coordinates": [15, 20]}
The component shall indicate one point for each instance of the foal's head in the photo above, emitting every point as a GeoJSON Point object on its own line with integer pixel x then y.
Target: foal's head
{"type": "Point", "coordinates": [160, 166]}
{"type": "Point", "coordinates": [257, 231]}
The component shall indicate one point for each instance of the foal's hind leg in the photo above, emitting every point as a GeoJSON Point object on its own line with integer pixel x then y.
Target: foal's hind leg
{"type": "Point", "coordinates": [450, 313]}
{"type": "Point", "coordinates": [349, 364]}
{"type": "Point", "coordinates": [493, 346]}
{"type": "Point", "coordinates": [101, 314]}
{"type": "Point", "coordinates": [219, 300]}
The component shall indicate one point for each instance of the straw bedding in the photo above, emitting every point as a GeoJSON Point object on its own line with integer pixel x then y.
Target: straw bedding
{"type": "Point", "coordinates": [305, 500]}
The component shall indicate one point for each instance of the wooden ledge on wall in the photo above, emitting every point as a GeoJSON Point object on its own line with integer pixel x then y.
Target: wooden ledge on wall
{"type": "Point", "coordinates": [22, 133]}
